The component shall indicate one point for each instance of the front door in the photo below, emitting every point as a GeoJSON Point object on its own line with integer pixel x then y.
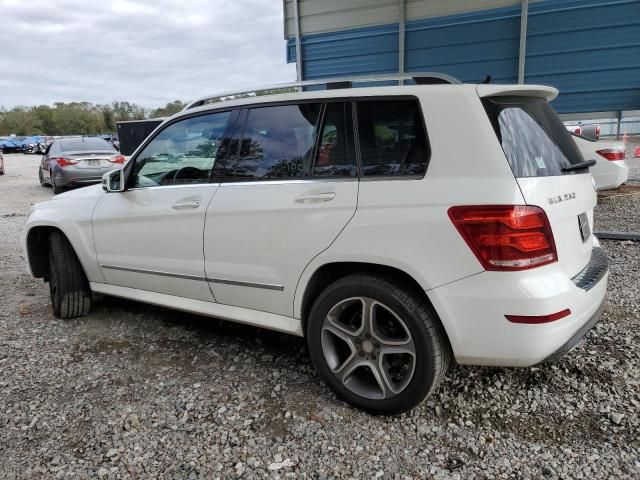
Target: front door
{"type": "Point", "coordinates": [150, 237]}
{"type": "Point", "coordinates": [288, 191]}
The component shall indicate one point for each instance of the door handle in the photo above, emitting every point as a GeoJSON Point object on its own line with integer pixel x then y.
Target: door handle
{"type": "Point", "coordinates": [315, 197]}
{"type": "Point", "coordinates": [186, 205]}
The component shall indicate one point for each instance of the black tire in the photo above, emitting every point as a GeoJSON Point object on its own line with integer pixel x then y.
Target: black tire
{"type": "Point", "coordinates": [68, 285]}
{"type": "Point", "coordinates": [432, 349]}
{"type": "Point", "coordinates": [56, 188]}
{"type": "Point", "coordinates": [41, 178]}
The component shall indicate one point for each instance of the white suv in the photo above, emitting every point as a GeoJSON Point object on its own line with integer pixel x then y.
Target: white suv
{"type": "Point", "coordinates": [394, 227]}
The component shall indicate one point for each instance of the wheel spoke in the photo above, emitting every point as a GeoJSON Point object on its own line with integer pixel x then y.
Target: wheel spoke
{"type": "Point", "coordinates": [407, 348]}
{"type": "Point", "coordinates": [381, 378]}
{"type": "Point", "coordinates": [344, 371]}
{"type": "Point", "coordinates": [367, 315]}
{"type": "Point", "coordinates": [341, 334]}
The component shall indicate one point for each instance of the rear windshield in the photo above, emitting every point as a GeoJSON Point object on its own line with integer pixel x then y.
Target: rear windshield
{"type": "Point", "coordinates": [534, 139]}
{"type": "Point", "coordinates": [85, 144]}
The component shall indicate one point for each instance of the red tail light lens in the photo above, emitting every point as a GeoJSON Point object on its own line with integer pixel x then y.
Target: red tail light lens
{"type": "Point", "coordinates": [65, 162]}
{"type": "Point", "coordinates": [117, 159]}
{"type": "Point", "coordinates": [612, 153]}
{"type": "Point", "coordinates": [597, 131]}
{"type": "Point", "coordinates": [577, 131]}
{"type": "Point", "coordinates": [506, 237]}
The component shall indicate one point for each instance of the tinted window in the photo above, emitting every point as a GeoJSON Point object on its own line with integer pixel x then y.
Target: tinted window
{"type": "Point", "coordinates": [393, 141]}
{"type": "Point", "coordinates": [182, 153]}
{"type": "Point", "coordinates": [534, 139]}
{"type": "Point", "coordinates": [85, 144]}
{"type": "Point", "coordinates": [335, 156]}
{"type": "Point", "coordinates": [278, 142]}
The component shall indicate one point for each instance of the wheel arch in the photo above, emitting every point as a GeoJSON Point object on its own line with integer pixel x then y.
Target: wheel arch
{"type": "Point", "coordinates": [38, 248]}
{"type": "Point", "coordinates": [328, 273]}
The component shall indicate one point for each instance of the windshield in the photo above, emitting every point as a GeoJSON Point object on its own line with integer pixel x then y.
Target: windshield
{"type": "Point", "coordinates": [534, 139]}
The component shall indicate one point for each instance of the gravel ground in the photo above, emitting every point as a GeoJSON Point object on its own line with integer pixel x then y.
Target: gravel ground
{"type": "Point", "coordinates": [133, 391]}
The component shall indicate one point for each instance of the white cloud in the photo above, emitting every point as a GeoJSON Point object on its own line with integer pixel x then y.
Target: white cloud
{"type": "Point", "coordinates": [148, 52]}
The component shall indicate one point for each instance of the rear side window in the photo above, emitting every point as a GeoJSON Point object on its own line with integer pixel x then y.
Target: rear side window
{"type": "Point", "coordinates": [335, 156]}
{"type": "Point", "coordinates": [534, 139]}
{"type": "Point", "coordinates": [278, 142]}
{"type": "Point", "coordinates": [393, 141]}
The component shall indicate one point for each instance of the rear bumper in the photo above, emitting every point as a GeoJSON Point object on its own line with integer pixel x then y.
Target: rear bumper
{"type": "Point", "coordinates": [68, 177]}
{"type": "Point", "coordinates": [576, 338]}
{"type": "Point", "coordinates": [473, 311]}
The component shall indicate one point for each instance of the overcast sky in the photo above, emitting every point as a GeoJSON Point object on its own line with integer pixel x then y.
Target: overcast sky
{"type": "Point", "coordinates": [145, 51]}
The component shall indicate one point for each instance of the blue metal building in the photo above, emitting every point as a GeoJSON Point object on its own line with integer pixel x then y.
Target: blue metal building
{"type": "Point", "coordinates": [589, 49]}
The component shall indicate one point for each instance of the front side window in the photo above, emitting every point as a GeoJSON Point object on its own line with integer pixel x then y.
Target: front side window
{"type": "Point", "coordinates": [182, 153]}
{"type": "Point", "coordinates": [278, 142]}
{"type": "Point", "coordinates": [393, 141]}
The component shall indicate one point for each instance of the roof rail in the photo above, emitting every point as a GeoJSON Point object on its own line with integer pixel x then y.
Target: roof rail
{"type": "Point", "coordinates": [420, 78]}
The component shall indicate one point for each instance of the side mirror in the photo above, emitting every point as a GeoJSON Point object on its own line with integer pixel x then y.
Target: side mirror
{"type": "Point", "coordinates": [113, 181]}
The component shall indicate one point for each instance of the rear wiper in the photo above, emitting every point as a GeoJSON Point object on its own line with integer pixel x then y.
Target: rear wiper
{"type": "Point", "coordinates": [579, 166]}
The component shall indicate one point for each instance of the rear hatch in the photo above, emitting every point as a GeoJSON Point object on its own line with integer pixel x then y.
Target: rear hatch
{"type": "Point", "coordinates": [549, 168]}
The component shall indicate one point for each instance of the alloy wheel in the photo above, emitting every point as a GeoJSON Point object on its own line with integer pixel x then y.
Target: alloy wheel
{"type": "Point", "coordinates": [368, 347]}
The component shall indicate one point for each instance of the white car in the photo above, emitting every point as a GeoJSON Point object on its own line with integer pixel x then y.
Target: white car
{"type": "Point", "coordinates": [361, 219]}
{"type": "Point", "coordinates": [610, 170]}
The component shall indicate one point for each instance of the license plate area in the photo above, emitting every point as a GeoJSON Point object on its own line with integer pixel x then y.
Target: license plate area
{"type": "Point", "coordinates": [92, 163]}
{"type": "Point", "coordinates": [583, 225]}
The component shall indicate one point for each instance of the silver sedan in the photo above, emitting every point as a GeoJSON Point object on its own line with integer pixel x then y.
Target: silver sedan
{"type": "Point", "coordinates": [77, 161]}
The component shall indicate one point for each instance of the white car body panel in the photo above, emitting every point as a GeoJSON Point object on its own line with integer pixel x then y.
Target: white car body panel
{"type": "Point", "coordinates": [279, 323]}
{"type": "Point", "coordinates": [255, 247]}
{"type": "Point", "coordinates": [156, 230]}
{"type": "Point", "coordinates": [606, 173]}
{"type": "Point", "coordinates": [259, 236]}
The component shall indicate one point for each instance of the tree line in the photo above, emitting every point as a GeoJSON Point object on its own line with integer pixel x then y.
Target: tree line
{"type": "Point", "coordinates": [77, 118]}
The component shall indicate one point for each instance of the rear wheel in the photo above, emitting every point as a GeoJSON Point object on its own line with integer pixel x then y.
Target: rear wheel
{"type": "Point", "coordinates": [68, 285]}
{"type": "Point", "coordinates": [376, 344]}
{"type": "Point", "coordinates": [56, 188]}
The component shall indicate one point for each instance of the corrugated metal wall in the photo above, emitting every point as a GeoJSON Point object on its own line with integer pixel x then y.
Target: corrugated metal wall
{"type": "Point", "coordinates": [589, 49]}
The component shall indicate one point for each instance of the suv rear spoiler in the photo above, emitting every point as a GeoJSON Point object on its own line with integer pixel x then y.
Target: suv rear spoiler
{"type": "Point", "coordinates": [540, 91]}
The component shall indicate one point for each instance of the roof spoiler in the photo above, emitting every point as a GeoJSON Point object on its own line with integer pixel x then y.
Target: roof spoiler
{"type": "Point", "coordinates": [540, 91]}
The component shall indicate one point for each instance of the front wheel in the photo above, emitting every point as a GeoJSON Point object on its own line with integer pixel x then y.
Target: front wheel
{"type": "Point", "coordinates": [41, 178]}
{"type": "Point", "coordinates": [376, 344]}
{"type": "Point", "coordinates": [68, 285]}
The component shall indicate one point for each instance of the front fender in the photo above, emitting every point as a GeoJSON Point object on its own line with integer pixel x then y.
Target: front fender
{"type": "Point", "coordinates": [73, 219]}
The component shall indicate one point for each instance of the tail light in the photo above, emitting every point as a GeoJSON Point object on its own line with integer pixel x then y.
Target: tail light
{"type": "Point", "coordinates": [506, 237]}
{"type": "Point", "coordinates": [578, 131]}
{"type": "Point", "coordinates": [65, 162]}
{"type": "Point", "coordinates": [612, 154]}
{"type": "Point", "coordinates": [117, 159]}
{"type": "Point", "coordinates": [597, 131]}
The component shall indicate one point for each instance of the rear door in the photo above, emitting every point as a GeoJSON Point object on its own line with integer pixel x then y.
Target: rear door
{"type": "Point", "coordinates": [546, 163]}
{"type": "Point", "coordinates": [290, 186]}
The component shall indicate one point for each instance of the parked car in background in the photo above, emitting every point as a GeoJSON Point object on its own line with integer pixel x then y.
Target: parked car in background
{"type": "Point", "coordinates": [31, 144]}
{"type": "Point", "coordinates": [77, 161]}
{"type": "Point", "coordinates": [354, 218]}
{"type": "Point", "coordinates": [589, 130]}
{"type": "Point", "coordinates": [610, 170]}
{"type": "Point", "coordinates": [11, 144]}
